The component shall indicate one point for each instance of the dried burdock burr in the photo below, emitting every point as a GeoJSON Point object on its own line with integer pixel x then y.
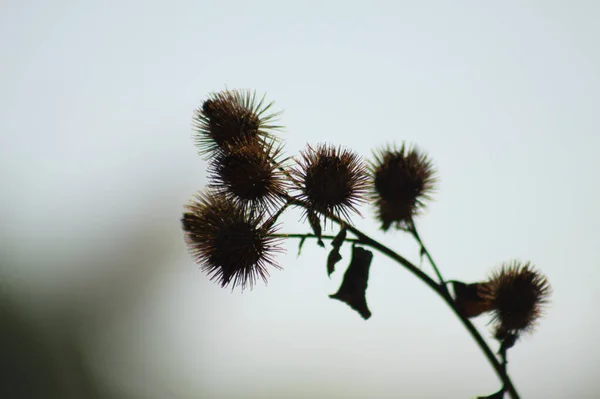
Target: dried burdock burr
{"type": "Point", "coordinates": [331, 180]}
{"type": "Point", "coordinates": [518, 294]}
{"type": "Point", "coordinates": [404, 180]}
{"type": "Point", "coordinates": [250, 174]}
{"type": "Point", "coordinates": [231, 244]}
{"type": "Point", "coordinates": [230, 116]}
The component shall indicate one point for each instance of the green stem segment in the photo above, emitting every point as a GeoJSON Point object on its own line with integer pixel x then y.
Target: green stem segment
{"type": "Point", "coordinates": [325, 236]}
{"type": "Point", "coordinates": [440, 289]}
{"type": "Point", "coordinates": [413, 231]}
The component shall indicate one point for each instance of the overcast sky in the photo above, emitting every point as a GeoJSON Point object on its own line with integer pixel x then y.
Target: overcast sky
{"type": "Point", "coordinates": [96, 154]}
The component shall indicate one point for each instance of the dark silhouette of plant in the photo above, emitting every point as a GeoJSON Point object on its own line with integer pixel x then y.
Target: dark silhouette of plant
{"type": "Point", "coordinates": [232, 244]}
{"type": "Point", "coordinates": [231, 231]}
{"type": "Point", "coordinates": [331, 180]}
{"type": "Point", "coordinates": [403, 181]}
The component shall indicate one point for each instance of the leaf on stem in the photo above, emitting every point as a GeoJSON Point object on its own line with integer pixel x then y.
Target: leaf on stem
{"type": "Point", "coordinates": [300, 245]}
{"type": "Point", "coordinates": [315, 224]}
{"type": "Point", "coordinates": [354, 286]}
{"type": "Point", "coordinates": [335, 256]}
{"type": "Point", "coordinates": [338, 240]}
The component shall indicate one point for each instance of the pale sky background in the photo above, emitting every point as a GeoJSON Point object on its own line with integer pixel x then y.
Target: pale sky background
{"type": "Point", "coordinates": [97, 161]}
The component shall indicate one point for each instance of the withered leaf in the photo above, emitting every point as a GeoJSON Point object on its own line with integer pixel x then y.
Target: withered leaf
{"type": "Point", "coordinates": [333, 258]}
{"type": "Point", "coordinates": [301, 244]}
{"type": "Point", "coordinates": [315, 224]}
{"type": "Point", "coordinates": [354, 286]}
{"type": "Point", "coordinates": [339, 239]}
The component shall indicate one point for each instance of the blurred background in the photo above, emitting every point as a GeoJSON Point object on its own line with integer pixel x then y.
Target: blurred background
{"type": "Point", "coordinates": [99, 298]}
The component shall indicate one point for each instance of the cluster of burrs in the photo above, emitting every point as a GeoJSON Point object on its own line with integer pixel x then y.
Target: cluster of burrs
{"type": "Point", "coordinates": [231, 226]}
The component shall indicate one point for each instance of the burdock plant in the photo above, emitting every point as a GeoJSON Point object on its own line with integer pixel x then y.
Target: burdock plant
{"type": "Point", "coordinates": [231, 226]}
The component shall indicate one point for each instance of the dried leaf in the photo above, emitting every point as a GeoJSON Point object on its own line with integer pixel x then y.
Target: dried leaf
{"type": "Point", "coordinates": [333, 258]}
{"type": "Point", "coordinates": [315, 224]}
{"type": "Point", "coordinates": [354, 286]}
{"type": "Point", "coordinates": [301, 244]}
{"type": "Point", "coordinates": [339, 239]}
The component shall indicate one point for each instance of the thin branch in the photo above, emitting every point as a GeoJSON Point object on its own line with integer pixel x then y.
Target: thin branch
{"type": "Point", "coordinates": [504, 357]}
{"type": "Point", "coordinates": [413, 231]}
{"type": "Point", "coordinates": [505, 345]}
{"type": "Point", "coordinates": [309, 235]}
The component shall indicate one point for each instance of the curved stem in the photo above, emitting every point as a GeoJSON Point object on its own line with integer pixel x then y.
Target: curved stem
{"type": "Point", "coordinates": [439, 289]}
{"type": "Point", "coordinates": [273, 218]}
{"type": "Point", "coordinates": [413, 231]}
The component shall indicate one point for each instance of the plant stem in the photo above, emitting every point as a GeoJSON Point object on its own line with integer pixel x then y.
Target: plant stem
{"type": "Point", "coordinates": [413, 231]}
{"type": "Point", "coordinates": [440, 289]}
{"type": "Point", "coordinates": [309, 235]}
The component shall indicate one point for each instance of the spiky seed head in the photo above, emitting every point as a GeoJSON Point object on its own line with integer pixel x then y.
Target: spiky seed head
{"type": "Point", "coordinates": [518, 294]}
{"type": "Point", "coordinates": [404, 180]}
{"type": "Point", "coordinates": [331, 179]}
{"type": "Point", "coordinates": [251, 175]}
{"type": "Point", "coordinates": [230, 116]}
{"type": "Point", "coordinates": [232, 245]}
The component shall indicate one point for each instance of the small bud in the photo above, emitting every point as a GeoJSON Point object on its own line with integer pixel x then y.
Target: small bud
{"type": "Point", "coordinates": [507, 340]}
{"type": "Point", "coordinates": [338, 240]}
{"type": "Point", "coordinates": [333, 258]}
{"type": "Point", "coordinates": [300, 245]}
{"type": "Point", "coordinates": [334, 255]}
